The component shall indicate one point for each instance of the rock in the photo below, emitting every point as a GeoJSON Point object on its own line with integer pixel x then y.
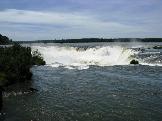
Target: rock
{"type": "Point", "coordinates": [1, 98]}
{"type": "Point", "coordinates": [142, 50]}
{"type": "Point", "coordinates": [33, 89]}
{"type": "Point", "coordinates": [29, 75]}
{"type": "Point", "coordinates": [134, 62]}
{"type": "Point", "coordinates": [157, 47]}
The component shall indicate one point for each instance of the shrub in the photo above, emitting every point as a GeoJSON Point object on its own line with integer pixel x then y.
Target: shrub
{"type": "Point", "coordinates": [37, 58]}
{"type": "Point", "coordinates": [15, 63]}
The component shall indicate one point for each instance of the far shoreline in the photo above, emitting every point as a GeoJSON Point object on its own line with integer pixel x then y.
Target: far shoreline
{"type": "Point", "coordinates": [94, 40]}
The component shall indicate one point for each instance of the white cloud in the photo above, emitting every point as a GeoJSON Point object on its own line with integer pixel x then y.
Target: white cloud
{"type": "Point", "coordinates": [24, 16]}
{"type": "Point", "coordinates": [56, 18]}
{"type": "Point", "coordinates": [76, 24]}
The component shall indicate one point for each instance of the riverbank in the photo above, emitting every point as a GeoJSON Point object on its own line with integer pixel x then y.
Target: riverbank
{"type": "Point", "coordinates": [15, 64]}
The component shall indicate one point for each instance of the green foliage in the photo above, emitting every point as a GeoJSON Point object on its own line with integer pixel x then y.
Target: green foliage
{"type": "Point", "coordinates": [37, 58]}
{"type": "Point", "coordinates": [3, 78]}
{"type": "Point", "coordinates": [15, 63]}
{"type": "Point", "coordinates": [4, 40]}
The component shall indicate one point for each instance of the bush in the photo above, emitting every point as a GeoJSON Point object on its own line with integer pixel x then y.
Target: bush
{"type": "Point", "coordinates": [15, 63]}
{"type": "Point", "coordinates": [4, 40]}
{"type": "Point", "coordinates": [37, 58]}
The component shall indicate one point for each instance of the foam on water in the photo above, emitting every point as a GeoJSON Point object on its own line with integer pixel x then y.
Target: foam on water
{"type": "Point", "coordinates": [80, 58]}
{"type": "Point", "coordinates": [150, 58]}
{"type": "Point", "coordinates": [151, 64]}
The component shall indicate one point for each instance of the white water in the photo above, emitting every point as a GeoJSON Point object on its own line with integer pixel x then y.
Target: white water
{"type": "Point", "coordinates": [71, 57]}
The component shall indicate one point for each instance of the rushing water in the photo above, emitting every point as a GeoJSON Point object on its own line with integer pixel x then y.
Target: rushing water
{"type": "Point", "coordinates": [91, 82]}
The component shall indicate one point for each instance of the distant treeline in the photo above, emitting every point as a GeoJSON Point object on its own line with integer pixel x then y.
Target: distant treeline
{"type": "Point", "coordinates": [88, 40]}
{"type": "Point", "coordinates": [5, 40]}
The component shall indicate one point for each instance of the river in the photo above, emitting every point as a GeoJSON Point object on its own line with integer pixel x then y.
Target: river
{"type": "Point", "coordinates": [90, 82]}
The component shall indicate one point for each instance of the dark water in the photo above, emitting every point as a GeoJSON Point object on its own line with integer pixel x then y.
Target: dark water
{"type": "Point", "coordinates": [119, 93]}
{"type": "Point", "coordinates": [112, 93]}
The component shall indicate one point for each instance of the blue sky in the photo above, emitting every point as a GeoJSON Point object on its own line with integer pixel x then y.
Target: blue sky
{"type": "Point", "coordinates": [57, 19]}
